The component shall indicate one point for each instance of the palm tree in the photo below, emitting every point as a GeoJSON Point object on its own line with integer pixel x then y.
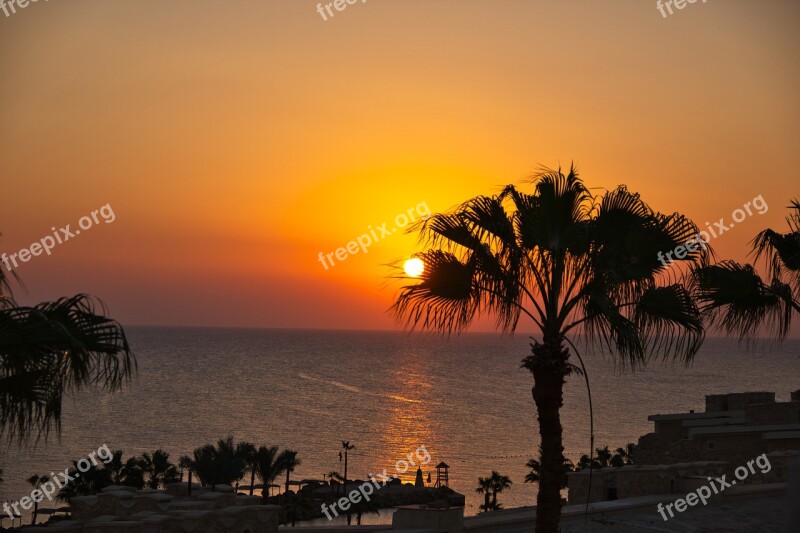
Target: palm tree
{"type": "Point", "coordinates": [742, 303]}
{"type": "Point", "coordinates": [485, 488]}
{"type": "Point", "coordinates": [247, 451]}
{"type": "Point", "coordinates": [603, 456]}
{"type": "Point", "coordinates": [186, 463]}
{"type": "Point", "coordinates": [50, 350]}
{"type": "Point", "coordinates": [267, 467]}
{"type": "Point", "coordinates": [161, 472]}
{"type": "Point", "coordinates": [535, 474]}
{"type": "Point", "coordinates": [569, 262]}
{"type": "Point", "coordinates": [620, 458]}
{"type": "Point", "coordinates": [36, 482]}
{"type": "Point", "coordinates": [129, 473]}
{"type": "Point", "coordinates": [288, 461]}
{"type": "Point", "coordinates": [85, 483]}
{"type": "Point", "coordinates": [218, 465]}
{"type": "Point", "coordinates": [499, 484]}
{"type": "Point", "coordinates": [586, 462]}
{"type": "Point", "coordinates": [346, 446]}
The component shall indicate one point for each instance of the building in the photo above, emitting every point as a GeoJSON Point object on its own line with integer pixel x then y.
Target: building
{"type": "Point", "coordinates": [687, 448]}
{"type": "Point", "coordinates": [733, 428]}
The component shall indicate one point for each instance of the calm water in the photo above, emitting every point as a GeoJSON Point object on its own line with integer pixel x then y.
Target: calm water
{"type": "Point", "coordinates": [465, 399]}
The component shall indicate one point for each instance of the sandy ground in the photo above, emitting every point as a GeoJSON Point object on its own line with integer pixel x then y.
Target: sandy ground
{"type": "Point", "coordinates": [746, 515]}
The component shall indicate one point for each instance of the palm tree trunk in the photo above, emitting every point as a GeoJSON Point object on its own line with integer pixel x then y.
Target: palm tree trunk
{"type": "Point", "coordinates": [35, 512]}
{"type": "Point", "coordinates": [549, 368]}
{"type": "Point", "coordinates": [345, 471]}
{"type": "Point", "coordinates": [252, 480]}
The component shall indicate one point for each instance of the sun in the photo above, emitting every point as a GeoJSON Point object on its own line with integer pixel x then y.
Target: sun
{"type": "Point", "coordinates": [414, 267]}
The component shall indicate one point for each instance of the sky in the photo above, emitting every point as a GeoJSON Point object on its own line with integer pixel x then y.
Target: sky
{"type": "Point", "coordinates": [235, 141]}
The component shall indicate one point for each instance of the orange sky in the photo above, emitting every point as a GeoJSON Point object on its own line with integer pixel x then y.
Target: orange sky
{"type": "Point", "coordinates": [236, 140]}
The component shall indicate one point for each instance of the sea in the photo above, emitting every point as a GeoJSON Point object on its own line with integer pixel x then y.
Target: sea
{"type": "Point", "coordinates": [465, 399]}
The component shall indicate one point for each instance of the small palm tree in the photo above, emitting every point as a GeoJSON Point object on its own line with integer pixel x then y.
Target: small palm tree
{"type": "Point", "coordinates": [267, 468]}
{"type": "Point", "coordinates": [218, 464]}
{"type": "Point", "coordinates": [247, 451]}
{"type": "Point", "coordinates": [567, 262]}
{"type": "Point", "coordinates": [160, 471]}
{"type": "Point", "coordinates": [85, 483]}
{"type": "Point", "coordinates": [346, 447]}
{"type": "Point", "coordinates": [620, 458]}
{"type": "Point", "coordinates": [288, 461]}
{"type": "Point", "coordinates": [499, 484]}
{"type": "Point", "coordinates": [603, 456]}
{"type": "Point", "coordinates": [36, 482]}
{"type": "Point", "coordinates": [485, 488]}
{"type": "Point", "coordinates": [186, 463]}
{"type": "Point", "coordinates": [535, 474]}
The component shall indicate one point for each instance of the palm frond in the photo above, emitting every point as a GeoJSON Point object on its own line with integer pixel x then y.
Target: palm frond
{"type": "Point", "coordinates": [670, 322]}
{"type": "Point", "coordinates": [734, 298]}
{"type": "Point", "coordinates": [445, 300]}
{"type": "Point", "coordinates": [53, 348]}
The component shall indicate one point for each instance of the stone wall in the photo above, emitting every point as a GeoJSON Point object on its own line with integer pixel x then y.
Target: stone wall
{"type": "Point", "coordinates": [631, 481]}
{"type": "Point", "coordinates": [125, 509]}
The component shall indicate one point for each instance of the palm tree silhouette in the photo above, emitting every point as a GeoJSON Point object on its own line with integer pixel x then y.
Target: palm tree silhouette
{"type": "Point", "coordinates": [485, 488]}
{"type": "Point", "coordinates": [603, 456]}
{"type": "Point", "coordinates": [267, 468]}
{"type": "Point", "coordinates": [36, 482]}
{"type": "Point", "coordinates": [569, 262]}
{"type": "Point", "coordinates": [535, 474]}
{"type": "Point", "coordinates": [620, 458]}
{"type": "Point", "coordinates": [186, 463]}
{"type": "Point", "coordinates": [737, 299]}
{"type": "Point", "coordinates": [288, 461]}
{"type": "Point", "coordinates": [218, 464]}
{"type": "Point", "coordinates": [161, 472]}
{"type": "Point", "coordinates": [247, 451]}
{"type": "Point", "coordinates": [499, 484]}
{"type": "Point", "coordinates": [128, 473]}
{"type": "Point", "coordinates": [50, 350]}
{"type": "Point", "coordinates": [346, 446]}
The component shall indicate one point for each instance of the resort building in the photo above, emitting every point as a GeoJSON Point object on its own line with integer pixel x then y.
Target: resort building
{"type": "Point", "coordinates": [685, 449]}
{"type": "Point", "coordinates": [733, 428]}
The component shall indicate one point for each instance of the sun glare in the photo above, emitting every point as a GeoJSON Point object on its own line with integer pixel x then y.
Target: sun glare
{"type": "Point", "coordinates": [414, 267]}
